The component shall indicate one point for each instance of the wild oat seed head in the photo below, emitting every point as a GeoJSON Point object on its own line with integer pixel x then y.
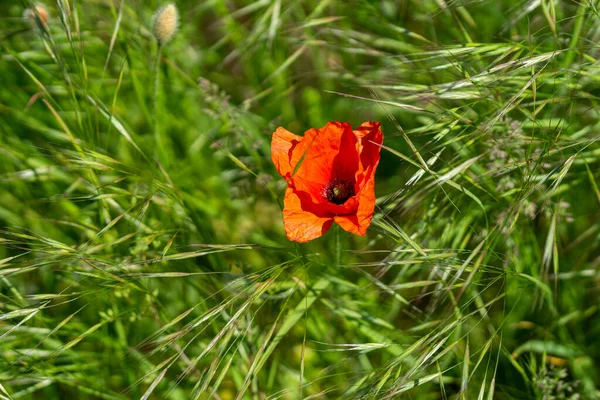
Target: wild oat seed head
{"type": "Point", "coordinates": [38, 10]}
{"type": "Point", "coordinates": [165, 25]}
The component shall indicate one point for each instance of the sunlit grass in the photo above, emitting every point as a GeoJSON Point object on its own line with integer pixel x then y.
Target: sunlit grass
{"type": "Point", "coordinates": [142, 252]}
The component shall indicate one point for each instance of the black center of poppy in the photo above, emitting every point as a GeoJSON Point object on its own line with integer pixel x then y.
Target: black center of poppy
{"type": "Point", "coordinates": [338, 191]}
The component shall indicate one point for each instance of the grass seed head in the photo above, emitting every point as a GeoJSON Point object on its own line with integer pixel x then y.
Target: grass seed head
{"type": "Point", "coordinates": [165, 24]}
{"type": "Point", "coordinates": [38, 11]}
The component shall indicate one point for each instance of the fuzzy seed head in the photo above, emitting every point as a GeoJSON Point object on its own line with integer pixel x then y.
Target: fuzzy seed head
{"type": "Point", "coordinates": [37, 11]}
{"type": "Point", "coordinates": [165, 24]}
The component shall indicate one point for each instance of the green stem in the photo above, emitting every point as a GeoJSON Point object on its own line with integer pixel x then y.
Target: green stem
{"type": "Point", "coordinates": [160, 145]}
{"type": "Point", "coordinates": [575, 36]}
{"type": "Point", "coordinates": [338, 249]}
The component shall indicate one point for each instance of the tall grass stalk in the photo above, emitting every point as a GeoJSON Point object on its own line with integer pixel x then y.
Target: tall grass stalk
{"type": "Point", "coordinates": [142, 250]}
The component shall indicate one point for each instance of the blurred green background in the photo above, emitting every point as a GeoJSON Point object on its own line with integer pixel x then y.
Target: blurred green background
{"type": "Point", "coordinates": [142, 252]}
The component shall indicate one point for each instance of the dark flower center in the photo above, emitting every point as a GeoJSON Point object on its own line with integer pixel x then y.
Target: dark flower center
{"type": "Point", "coordinates": [338, 191]}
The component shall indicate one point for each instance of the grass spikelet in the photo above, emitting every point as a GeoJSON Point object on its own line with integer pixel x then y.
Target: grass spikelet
{"type": "Point", "coordinates": [165, 23]}
{"type": "Point", "coordinates": [37, 14]}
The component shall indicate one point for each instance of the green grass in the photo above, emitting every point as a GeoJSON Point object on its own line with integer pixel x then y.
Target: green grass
{"type": "Point", "coordinates": [142, 252]}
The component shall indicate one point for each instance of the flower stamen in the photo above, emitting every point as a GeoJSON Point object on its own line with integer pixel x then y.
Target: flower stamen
{"type": "Point", "coordinates": [337, 191]}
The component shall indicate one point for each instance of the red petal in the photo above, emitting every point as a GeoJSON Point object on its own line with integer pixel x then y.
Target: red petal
{"type": "Point", "coordinates": [370, 138]}
{"type": "Point", "coordinates": [359, 222]}
{"type": "Point", "coordinates": [282, 149]}
{"type": "Point", "coordinates": [346, 163]}
{"type": "Point", "coordinates": [302, 219]}
{"type": "Point", "coordinates": [328, 142]}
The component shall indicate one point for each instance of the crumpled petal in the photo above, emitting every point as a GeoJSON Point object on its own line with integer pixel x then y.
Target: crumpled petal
{"type": "Point", "coordinates": [370, 138]}
{"type": "Point", "coordinates": [283, 145]}
{"type": "Point", "coordinates": [359, 222]}
{"type": "Point", "coordinates": [331, 141]}
{"type": "Point", "coordinates": [306, 223]}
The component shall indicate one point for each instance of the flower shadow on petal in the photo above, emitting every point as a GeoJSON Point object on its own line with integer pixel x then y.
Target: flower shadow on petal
{"type": "Point", "coordinates": [303, 220]}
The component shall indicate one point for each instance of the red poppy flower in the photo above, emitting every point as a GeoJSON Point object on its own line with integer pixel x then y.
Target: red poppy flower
{"type": "Point", "coordinates": [331, 176]}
